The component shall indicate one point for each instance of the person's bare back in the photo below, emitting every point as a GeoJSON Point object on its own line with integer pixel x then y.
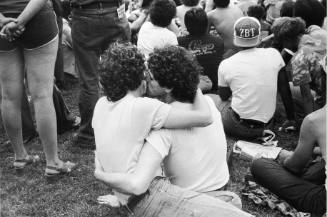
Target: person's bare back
{"type": "Point", "coordinates": [318, 124]}
{"type": "Point", "coordinates": [223, 20]}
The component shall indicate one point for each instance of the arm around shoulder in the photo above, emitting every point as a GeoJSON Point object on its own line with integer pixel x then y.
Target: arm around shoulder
{"type": "Point", "coordinates": [199, 116]}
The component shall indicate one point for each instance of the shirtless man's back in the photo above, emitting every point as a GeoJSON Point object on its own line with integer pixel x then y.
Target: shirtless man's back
{"type": "Point", "coordinates": [223, 20]}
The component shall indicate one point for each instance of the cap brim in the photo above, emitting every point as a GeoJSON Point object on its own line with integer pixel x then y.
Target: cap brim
{"type": "Point", "coordinates": [241, 42]}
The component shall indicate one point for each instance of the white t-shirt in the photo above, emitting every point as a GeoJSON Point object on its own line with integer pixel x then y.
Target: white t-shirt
{"type": "Point", "coordinates": [151, 36]}
{"type": "Point", "coordinates": [120, 129]}
{"type": "Point", "coordinates": [252, 76]}
{"type": "Point", "coordinates": [194, 158]}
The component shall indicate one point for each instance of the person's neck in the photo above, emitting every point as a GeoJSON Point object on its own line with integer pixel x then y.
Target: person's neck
{"type": "Point", "coordinates": [246, 48]}
{"type": "Point", "coordinates": [136, 93]}
{"type": "Point", "coordinates": [167, 98]}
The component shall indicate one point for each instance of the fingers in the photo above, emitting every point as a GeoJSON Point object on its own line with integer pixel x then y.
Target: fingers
{"type": "Point", "coordinates": [11, 31]}
{"type": "Point", "coordinates": [110, 200]}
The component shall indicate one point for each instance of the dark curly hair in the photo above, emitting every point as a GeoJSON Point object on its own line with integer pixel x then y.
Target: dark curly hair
{"type": "Point", "coordinates": [190, 3]}
{"type": "Point", "coordinates": [162, 12]}
{"type": "Point", "coordinates": [287, 9]}
{"type": "Point", "coordinates": [221, 3]}
{"type": "Point", "coordinates": [311, 11]}
{"type": "Point", "coordinates": [121, 69]}
{"type": "Point", "coordinates": [176, 68]}
{"type": "Point", "coordinates": [287, 28]}
{"type": "Point", "coordinates": [196, 21]}
{"type": "Point", "coordinates": [256, 11]}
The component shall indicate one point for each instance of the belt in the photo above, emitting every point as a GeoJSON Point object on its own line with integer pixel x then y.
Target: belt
{"type": "Point", "coordinates": [96, 5]}
{"type": "Point", "coordinates": [249, 122]}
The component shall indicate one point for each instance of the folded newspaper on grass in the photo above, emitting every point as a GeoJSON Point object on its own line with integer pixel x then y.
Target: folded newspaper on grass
{"type": "Point", "coordinates": [250, 150]}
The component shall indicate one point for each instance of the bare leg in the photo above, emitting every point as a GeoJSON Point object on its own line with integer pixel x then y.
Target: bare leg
{"type": "Point", "coordinates": [12, 87]}
{"type": "Point", "coordinates": [40, 64]}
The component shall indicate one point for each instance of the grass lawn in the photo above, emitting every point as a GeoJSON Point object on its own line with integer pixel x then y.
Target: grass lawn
{"type": "Point", "coordinates": [29, 194]}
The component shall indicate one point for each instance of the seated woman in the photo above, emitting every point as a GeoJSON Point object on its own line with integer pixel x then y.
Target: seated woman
{"type": "Point", "coordinates": [296, 178]}
{"type": "Point", "coordinates": [123, 119]}
{"type": "Point", "coordinates": [308, 47]}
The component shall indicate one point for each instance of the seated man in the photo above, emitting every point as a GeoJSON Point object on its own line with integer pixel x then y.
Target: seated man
{"type": "Point", "coordinates": [223, 19]}
{"type": "Point", "coordinates": [180, 13]}
{"type": "Point", "coordinates": [250, 77]}
{"type": "Point", "coordinates": [297, 179]}
{"type": "Point", "coordinates": [123, 119]}
{"type": "Point", "coordinates": [206, 171]}
{"type": "Point", "coordinates": [308, 45]}
{"type": "Point", "coordinates": [207, 48]}
{"type": "Point", "coordinates": [154, 33]}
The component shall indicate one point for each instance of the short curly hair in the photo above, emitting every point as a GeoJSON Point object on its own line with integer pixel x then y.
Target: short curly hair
{"type": "Point", "coordinates": [190, 3]}
{"type": "Point", "coordinates": [121, 69]}
{"type": "Point", "coordinates": [162, 12]}
{"type": "Point", "coordinates": [287, 28]}
{"type": "Point", "coordinates": [176, 68]}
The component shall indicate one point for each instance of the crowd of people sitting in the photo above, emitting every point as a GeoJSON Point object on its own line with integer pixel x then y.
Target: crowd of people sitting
{"type": "Point", "coordinates": [143, 68]}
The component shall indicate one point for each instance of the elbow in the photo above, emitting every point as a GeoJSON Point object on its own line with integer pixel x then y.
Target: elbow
{"type": "Point", "coordinates": [137, 187]}
{"type": "Point", "coordinates": [206, 120]}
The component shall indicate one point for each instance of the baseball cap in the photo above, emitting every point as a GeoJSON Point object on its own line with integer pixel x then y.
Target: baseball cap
{"type": "Point", "coordinates": [247, 32]}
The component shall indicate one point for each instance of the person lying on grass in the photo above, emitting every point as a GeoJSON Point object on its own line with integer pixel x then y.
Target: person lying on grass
{"type": "Point", "coordinates": [120, 142]}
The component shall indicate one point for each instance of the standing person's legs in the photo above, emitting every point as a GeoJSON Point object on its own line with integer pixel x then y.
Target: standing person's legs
{"type": "Point", "coordinates": [84, 35]}
{"type": "Point", "coordinates": [59, 66]}
{"type": "Point", "coordinates": [40, 69]}
{"type": "Point", "coordinates": [11, 78]}
{"type": "Point", "coordinates": [65, 120]}
{"type": "Point", "coordinates": [92, 31]}
{"type": "Point", "coordinates": [29, 131]}
{"type": "Point", "coordinates": [303, 195]}
{"type": "Point", "coordinates": [86, 61]}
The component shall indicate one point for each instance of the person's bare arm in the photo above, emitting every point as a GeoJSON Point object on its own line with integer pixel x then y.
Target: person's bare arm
{"type": "Point", "coordinates": [303, 152]}
{"type": "Point", "coordinates": [32, 8]}
{"type": "Point", "coordinates": [205, 83]}
{"type": "Point", "coordinates": [137, 182]}
{"type": "Point", "coordinates": [199, 116]}
{"type": "Point", "coordinates": [136, 25]}
{"type": "Point", "coordinates": [307, 98]}
{"type": "Point", "coordinates": [4, 20]}
{"type": "Point", "coordinates": [14, 29]}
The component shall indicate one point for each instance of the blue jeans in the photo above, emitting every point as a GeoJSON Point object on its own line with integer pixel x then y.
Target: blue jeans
{"type": "Point", "coordinates": [166, 200]}
{"type": "Point", "coordinates": [235, 127]}
{"type": "Point", "coordinates": [307, 192]}
{"type": "Point", "coordinates": [92, 31]}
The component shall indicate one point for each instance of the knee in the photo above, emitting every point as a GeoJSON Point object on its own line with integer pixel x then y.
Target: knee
{"type": "Point", "coordinates": [259, 166]}
{"type": "Point", "coordinates": [41, 95]}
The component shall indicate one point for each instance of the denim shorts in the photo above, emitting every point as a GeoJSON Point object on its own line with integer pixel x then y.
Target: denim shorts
{"type": "Point", "coordinates": [40, 30]}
